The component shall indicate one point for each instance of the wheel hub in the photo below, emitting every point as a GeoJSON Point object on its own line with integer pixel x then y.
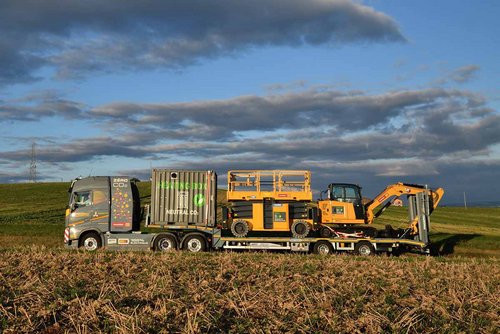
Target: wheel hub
{"type": "Point", "coordinates": [194, 245]}
{"type": "Point", "coordinates": [323, 249]}
{"type": "Point", "coordinates": [90, 244]}
{"type": "Point", "coordinates": [165, 244]}
{"type": "Point", "coordinates": [364, 250]}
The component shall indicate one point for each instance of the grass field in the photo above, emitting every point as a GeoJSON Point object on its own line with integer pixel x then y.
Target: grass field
{"type": "Point", "coordinates": [33, 214]}
{"type": "Point", "coordinates": [47, 289]}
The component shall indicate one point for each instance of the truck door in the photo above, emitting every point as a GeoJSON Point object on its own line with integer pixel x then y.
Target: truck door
{"type": "Point", "coordinates": [99, 211]}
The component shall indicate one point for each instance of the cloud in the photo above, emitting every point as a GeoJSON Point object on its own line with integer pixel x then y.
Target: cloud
{"type": "Point", "coordinates": [418, 117]}
{"type": "Point", "coordinates": [14, 177]}
{"type": "Point", "coordinates": [77, 38]}
{"type": "Point", "coordinates": [464, 74]}
{"type": "Point", "coordinates": [17, 66]}
{"type": "Point", "coordinates": [460, 75]}
{"type": "Point", "coordinates": [298, 84]}
{"type": "Point", "coordinates": [36, 106]}
{"type": "Point", "coordinates": [309, 124]}
{"type": "Point", "coordinates": [78, 150]}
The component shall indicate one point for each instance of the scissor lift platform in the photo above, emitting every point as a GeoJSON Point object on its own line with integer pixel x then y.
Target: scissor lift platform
{"type": "Point", "coordinates": [256, 185]}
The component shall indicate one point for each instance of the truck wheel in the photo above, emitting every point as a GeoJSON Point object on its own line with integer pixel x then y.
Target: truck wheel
{"type": "Point", "coordinates": [239, 228]}
{"type": "Point", "coordinates": [300, 229]}
{"type": "Point", "coordinates": [194, 244]}
{"type": "Point", "coordinates": [165, 243]}
{"type": "Point", "coordinates": [364, 248]}
{"type": "Point", "coordinates": [323, 247]}
{"type": "Point", "coordinates": [90, 242]}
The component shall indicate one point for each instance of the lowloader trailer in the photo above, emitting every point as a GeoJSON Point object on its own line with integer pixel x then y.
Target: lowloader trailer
{"type": "Point", "coordinates": [267, 210]}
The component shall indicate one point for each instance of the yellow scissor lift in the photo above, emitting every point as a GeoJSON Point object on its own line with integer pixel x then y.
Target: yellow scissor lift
{"type": "Point", "coordinates": [270, 201]}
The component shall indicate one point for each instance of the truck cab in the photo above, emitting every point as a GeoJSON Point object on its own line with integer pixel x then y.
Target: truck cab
{"type": "Point", "coordinates": [98, 205]}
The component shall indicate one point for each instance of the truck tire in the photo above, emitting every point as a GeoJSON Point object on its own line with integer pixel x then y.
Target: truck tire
{"type": "Point", "coordinates": [194, 243]}
{"type": "Point", "coordinates": [300, 229]}
{"type": "Point", "coordinates": [90, 242]}
{"type": "Point", "coordinates": [364, 248]}
{"type": "Point", "coordinates": [165, 243]}
{"type": "Point", "coordinates": [323, 247]}
{"type": "Point", "coordinates": [239, 228]}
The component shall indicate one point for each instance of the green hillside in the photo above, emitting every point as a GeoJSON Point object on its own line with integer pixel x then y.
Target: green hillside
{"type": "Point", "coordinates": [33, 214]}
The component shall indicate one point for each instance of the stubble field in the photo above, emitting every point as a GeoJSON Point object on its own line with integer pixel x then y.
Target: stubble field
{"type": "Point", "coordinates": [55, 291]}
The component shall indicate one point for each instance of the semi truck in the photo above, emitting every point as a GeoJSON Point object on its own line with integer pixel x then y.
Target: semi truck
{"type": "Point", "coordinates": [265, 210]}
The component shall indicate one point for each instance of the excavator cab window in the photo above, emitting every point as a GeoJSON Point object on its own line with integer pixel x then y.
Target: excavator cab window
{"type": "Point", "coordinates": [345, 193]}
{"type": "Point", "coordinates": [337, 193]}
{"type": "Point", "coordinates": [348, 193]}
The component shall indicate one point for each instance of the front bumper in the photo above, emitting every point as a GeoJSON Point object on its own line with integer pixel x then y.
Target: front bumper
{"type": "Point", "coordinates": [71, 244]}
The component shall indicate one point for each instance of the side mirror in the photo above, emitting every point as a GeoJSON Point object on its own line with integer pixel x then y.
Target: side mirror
{"type": "Point", "coordinates": [73, 206]}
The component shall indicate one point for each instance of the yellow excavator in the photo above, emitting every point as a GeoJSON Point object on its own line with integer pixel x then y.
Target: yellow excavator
{"type": "Point", "coordinates": [344, 207]}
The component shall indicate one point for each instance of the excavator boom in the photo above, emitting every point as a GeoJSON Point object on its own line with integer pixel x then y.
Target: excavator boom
{"type": "Point", "coordinates": [394, 191]}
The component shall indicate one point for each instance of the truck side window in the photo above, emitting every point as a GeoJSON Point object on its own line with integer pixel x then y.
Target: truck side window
{"type": "Point", "coordinates": [98, 197]}
{"type": "Point", "coordinates": [82, 198]}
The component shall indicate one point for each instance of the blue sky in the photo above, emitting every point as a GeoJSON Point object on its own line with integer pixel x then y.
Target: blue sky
{"type": "Point", "coordinates": [369, 92]}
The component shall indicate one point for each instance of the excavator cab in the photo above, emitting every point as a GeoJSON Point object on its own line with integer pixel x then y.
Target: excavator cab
{"type": "Point", "coordinates": [343, 205]}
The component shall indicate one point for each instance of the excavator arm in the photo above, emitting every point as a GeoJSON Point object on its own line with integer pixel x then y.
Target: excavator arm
{"type": "Point", "coordinates": [394, 191]}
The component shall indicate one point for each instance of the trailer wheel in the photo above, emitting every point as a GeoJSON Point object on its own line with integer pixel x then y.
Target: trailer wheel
{"type": "Point", "coordinates": [364, 248]}
{"type": "Point", "coordinates": [325, 232]}
{"type": "Point", "coordinates": [194, 244]}
{"type": "Point", "coordinates": [165, 243]}
{"type": "Point", "coordinates": [90, 242]}
{"type": "Point", "coordinates": [239, 228]}
{"type": "Point", "coordinates": [323, 247]}
{"type": "Point", "coordinates": [300, 229]}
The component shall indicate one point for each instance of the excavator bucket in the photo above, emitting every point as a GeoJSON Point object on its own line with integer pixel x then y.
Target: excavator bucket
{"type": "Point", "coordinates": [436, 198]}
